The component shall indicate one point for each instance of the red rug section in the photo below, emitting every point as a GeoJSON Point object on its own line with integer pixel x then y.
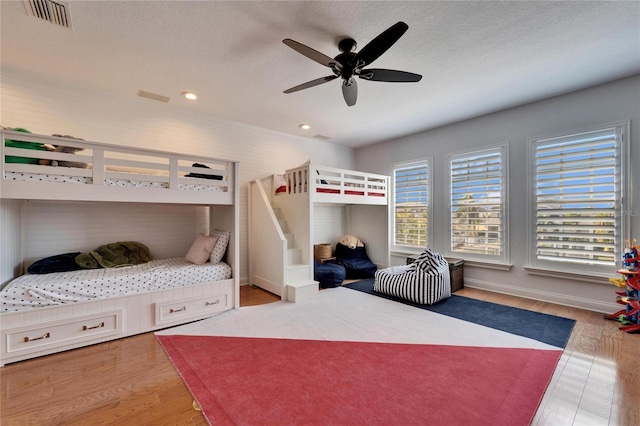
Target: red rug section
{"type": "Point", "coordinates": [256, 381]}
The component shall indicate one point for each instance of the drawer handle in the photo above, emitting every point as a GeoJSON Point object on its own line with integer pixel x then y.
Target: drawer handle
{"type": "Point", "coordinates": [30, 339]}
{"type": "Point", "coordinates": [84, 327]}
{"type": "Point", "coordinates": [184, 308]}
{"type": "Point", "coordinates": [212, 303]}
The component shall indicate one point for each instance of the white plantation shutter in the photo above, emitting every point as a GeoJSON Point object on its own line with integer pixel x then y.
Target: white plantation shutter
{"type": "Point", "coordinates": [411, 204]}
{"type": "Point", "coordinates": [477, 191]}
{"type": "Point", "coordinates": [577, 190]}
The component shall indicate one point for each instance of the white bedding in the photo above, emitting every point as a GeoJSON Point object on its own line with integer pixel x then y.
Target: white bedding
{"type": "Point", "coordinates": [36, 290]}
{"type": "Point", "coordinates": [41, 177]}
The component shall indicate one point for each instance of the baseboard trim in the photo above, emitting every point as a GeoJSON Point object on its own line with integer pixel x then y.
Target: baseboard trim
{"type": "Point", "coordinates": [270, 286]}
{"type": "Point", "coordinates": [572, 301]}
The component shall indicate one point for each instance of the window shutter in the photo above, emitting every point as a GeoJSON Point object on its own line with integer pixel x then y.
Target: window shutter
{"type": "Point", "coordinates": [411, 192]}
{"type": "Point", "coordinates": [477, 202]}
{"type": "Point", "coordinates": [577, 180]}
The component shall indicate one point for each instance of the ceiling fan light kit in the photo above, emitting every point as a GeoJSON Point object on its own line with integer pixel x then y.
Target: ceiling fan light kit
{"type": "Point", "coordinates": [349, 64]}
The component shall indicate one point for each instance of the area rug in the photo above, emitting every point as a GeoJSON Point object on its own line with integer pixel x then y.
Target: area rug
{"type": "Point", "coordinates": [347, 357]}
{"type": "Point", "coordinates": [546, 328]}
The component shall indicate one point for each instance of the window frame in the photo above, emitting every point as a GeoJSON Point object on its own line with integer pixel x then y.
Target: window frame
{"type": "Point", "coordinates": [580, 270]}
{"type": "Point", "coordinates": [403, 248]}
{"type": "Point", "coordinates": [503, 257]}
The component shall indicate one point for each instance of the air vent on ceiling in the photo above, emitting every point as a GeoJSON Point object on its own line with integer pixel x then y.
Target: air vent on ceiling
{"type": "Point", "coordinates": [53, 11]}
{"type": "Point", "coordinates": [153, 96]}
{"type": "Point", "coordinates": [322, 137]}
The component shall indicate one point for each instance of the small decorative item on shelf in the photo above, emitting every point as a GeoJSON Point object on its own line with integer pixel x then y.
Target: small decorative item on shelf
{"type": "Point", "coordinates": [629, 317]}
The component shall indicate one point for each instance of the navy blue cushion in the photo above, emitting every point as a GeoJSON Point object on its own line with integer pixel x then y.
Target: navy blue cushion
{"type": "Point", "coordinates": [58, 263]}
{"type": "Point", "coordinates": [355, 261]}
{"type": "Point", "coordinates": [328, 274]}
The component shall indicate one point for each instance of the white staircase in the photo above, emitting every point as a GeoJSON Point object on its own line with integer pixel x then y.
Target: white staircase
{"type": "Point", "coordinates": [299, 286]}
{"type": "Point", "coordinates": [278, 261]}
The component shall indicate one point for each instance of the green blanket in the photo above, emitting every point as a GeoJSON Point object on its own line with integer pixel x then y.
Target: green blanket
{"type": "Point", "coordinates": [115, 255]}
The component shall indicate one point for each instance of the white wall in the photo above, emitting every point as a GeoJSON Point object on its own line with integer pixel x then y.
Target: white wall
{"type": "Point", "coordinates": [331, 224]}
{"type": "Point", "coordinates": [47, 107]}
{"type": "Point", "coordinates": [612, 102]}
{"type": "Point", "coordinates": [63, 227]}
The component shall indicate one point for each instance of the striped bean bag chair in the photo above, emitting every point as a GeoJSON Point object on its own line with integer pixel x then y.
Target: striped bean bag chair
{"type": "Point", "coordinates": [426, 281]}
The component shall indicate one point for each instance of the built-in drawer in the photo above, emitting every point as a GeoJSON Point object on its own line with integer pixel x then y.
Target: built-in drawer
{"type": "Point", "coordinates": [26, 339]}
{"type": "Point", "coordinates": [195, 307]}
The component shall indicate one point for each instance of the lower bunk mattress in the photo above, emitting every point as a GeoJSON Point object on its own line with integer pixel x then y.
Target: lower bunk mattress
{"type": "Point", "coordinates": [38, 290]}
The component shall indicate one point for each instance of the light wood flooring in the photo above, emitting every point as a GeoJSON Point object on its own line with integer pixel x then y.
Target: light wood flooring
{"type": "Point", "coordinates": [132, 382]}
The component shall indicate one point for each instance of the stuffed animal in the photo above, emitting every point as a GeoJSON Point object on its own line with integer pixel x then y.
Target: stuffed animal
{"type": "Point", "coordinates": [351, 241]}
{"type": "Point", "coordinates": [67, 150]}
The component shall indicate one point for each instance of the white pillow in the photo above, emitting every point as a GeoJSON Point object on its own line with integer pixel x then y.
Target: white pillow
{"type": "Point", "coordinates": [221, 246]}
{"type": "Point", "coordinates": [201, 249]}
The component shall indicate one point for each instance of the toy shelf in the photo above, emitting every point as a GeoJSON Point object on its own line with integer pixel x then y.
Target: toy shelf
{"type": "Point", "coordinates": [629, 317]}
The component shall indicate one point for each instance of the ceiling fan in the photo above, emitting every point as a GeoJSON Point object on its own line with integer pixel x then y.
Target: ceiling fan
{"type": "Point", "coordinates": [349, 64]}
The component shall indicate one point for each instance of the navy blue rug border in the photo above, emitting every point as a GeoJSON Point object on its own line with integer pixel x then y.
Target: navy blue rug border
{"type": "Point", "coordinates": [546, 328]}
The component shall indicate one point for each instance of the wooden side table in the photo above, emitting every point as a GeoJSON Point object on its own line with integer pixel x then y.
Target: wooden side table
{"type": "Point", "coordinates": [456, 271]}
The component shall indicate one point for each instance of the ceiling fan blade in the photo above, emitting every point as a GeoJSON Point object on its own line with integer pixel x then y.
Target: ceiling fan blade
{"type": "Point", "coordinates": [350, 91]}
{"type": "Point", "coordinates": [310, 53]}
{"type": "Point", "coordinates": [393, 76]}
{"type": "Point", "coordinates": [311, 83]}
{"type": "Point", "coordinates": [380, 44]}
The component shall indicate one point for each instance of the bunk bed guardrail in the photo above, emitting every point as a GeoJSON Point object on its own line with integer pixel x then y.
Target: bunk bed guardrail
{"type": "Point", "coordinates": [328, 184]}
{"type": "Point", "coordinates": [97, 164]}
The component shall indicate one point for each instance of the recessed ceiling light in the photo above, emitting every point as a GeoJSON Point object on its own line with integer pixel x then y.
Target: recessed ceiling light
{"type": "Point", "coordinates": [189, 95]}
{"type": "Point", "coordinates": [304, 126]}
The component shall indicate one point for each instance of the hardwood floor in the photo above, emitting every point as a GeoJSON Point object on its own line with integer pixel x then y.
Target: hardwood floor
{"type": "Point", "coordinates": [131, 381]}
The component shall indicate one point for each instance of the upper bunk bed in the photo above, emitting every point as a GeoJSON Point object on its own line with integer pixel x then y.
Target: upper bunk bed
{"type": "Point", "coordinates": [32, 168]}
{"type": "Point", "coordinates": [334, 185]}
{"type": "Point", "coordinates": [285, 222]}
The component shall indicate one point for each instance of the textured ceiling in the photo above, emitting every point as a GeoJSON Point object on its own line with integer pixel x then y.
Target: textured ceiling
{"type": "Point", "coordinates": [475, 57]}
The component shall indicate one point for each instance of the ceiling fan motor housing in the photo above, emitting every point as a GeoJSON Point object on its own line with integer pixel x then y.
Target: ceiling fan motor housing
{"type": "Point", "coordinates": [347, 45]}
{"type": "Point", "coordinates": [347, 61]}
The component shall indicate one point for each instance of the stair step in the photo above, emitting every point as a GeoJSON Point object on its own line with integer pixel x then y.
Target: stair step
{"type": "Point", "coordinates": [294, 256]}
{"type": "Point", "coordinates": [290, 241]}
{"type": "Point", "coordinates": [297, 272]}
{"type": "Point", "coordinates": [284, 226]}
{"type": "Point", "coordinates": [300, 291]}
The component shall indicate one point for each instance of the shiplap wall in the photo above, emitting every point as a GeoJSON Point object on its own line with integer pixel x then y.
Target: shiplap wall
{"type": "Point", "coordinates": [330, 224]}
{"type": "Point", "coordinates": [62, 227]}
{"type": "Point", "coordinates": [47, 107]}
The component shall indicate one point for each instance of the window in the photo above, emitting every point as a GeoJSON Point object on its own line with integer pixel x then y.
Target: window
{"type": "Point", "coordinates": [477, 203]}
{"type": "Point", "coordinates": [578, 188]}
{"type": "Point", "coordinates": [412, 208]}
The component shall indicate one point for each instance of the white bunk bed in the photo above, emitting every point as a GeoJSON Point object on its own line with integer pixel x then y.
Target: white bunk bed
{"type": "Point", "coordinates": [121, 175]}
{"type": "Point", "coordinates": [283, 210]}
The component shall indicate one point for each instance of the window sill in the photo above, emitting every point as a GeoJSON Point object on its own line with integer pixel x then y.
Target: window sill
{"type": "Point", "coordinates": [487, 265]}
{"type": "Point", "coordinates": [467, 262]}
{"type": "Point", "coordinates": [592, 278]}
{"type": "Point", "coordinates": [405, 253]}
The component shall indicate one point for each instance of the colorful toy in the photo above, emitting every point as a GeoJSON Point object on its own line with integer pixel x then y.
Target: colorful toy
{"type": "Point", "coordinates": [629, 317]}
